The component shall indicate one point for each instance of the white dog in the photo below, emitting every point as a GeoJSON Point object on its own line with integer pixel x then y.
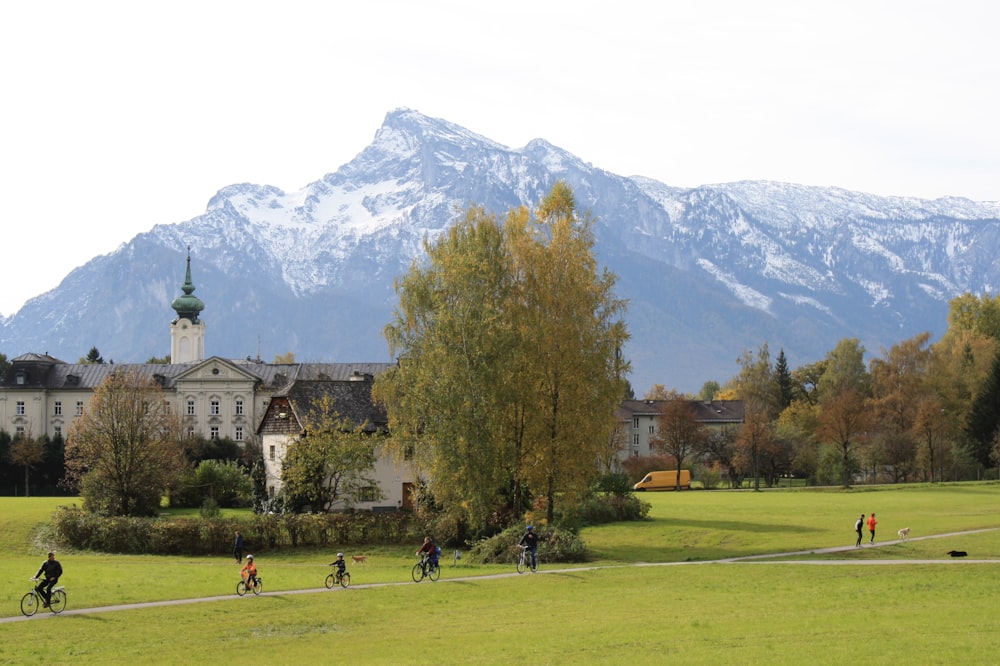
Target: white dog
{"type": "Point", "coordinates": [904, 533]}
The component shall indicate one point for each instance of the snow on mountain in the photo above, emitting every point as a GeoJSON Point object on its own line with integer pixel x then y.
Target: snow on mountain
{"type": "Point", "coordinates": [708, 271]}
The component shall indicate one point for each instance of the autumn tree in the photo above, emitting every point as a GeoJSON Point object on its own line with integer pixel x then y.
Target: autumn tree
{"type": "Point", "coordinates": [510, 368]}
{"type": "Point", "coordinates": [755, 385]}
{"type": "Point", "coordinates": [331, 462]}
{"type": "Point", "coordinates": [678, 434]}
{"type": "Point", "coordinates": [124, 451]}
{"type": "Point", "coordinates": [26, 452]}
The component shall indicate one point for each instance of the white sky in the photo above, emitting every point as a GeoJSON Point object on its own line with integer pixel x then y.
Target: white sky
{"type": "Point", "coordinates": [116, 116]}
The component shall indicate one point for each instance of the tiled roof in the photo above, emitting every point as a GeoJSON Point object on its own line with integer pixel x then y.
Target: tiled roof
{"type": "Point", "coordinates": [715, 411]}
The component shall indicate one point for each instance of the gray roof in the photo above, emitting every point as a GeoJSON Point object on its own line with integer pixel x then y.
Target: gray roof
{"type": "Point", "coordinates": [708, 412]}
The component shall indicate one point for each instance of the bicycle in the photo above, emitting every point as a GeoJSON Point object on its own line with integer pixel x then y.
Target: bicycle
{"type": "Point", "coordinates": [242, 588]}
{"type": "Point", "coordinates": [424, 569]}
{"type": "Point", "coordinates": [344, 579]}
{"type": "Point", "coordinates": [524, 562]}
{"type": "Point", "coordinates": [33, 600]}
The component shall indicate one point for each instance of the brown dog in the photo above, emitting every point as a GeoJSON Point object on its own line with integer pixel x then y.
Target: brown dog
{"type": "Point", "coordinates": [360, 559]}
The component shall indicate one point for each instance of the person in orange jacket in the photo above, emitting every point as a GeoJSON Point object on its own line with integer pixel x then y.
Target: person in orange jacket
{"type": "Point", "coordinates": [249, 571]}
{"type": "Point", "coordinates": [871, 526]}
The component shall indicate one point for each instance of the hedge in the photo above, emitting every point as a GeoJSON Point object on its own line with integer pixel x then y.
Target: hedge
{"type": "Point", "coordinates": [190, 535]}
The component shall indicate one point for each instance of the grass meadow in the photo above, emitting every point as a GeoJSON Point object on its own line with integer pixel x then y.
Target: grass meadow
{"type": "Point", "coordinates": [655, 592]}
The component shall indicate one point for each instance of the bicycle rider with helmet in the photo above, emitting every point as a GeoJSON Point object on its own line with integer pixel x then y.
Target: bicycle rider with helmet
{"type": "Point", "coordinates": [530, 539]}
{"type": "Point", "coordinates": [340, 564]}
{"type": "Point", "coordinates": [249, 572]}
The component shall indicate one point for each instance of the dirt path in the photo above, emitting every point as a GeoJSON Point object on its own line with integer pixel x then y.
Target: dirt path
{"type": "Point", "coordinates": [748, 559]}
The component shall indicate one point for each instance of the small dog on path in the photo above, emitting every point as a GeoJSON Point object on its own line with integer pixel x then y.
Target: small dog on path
{"type": "Point", "coordinates": [904, 533]}
{"type": "Point", "coordinates": [957, 553]}
{"type": "Point", "coordinates": [360, 559]}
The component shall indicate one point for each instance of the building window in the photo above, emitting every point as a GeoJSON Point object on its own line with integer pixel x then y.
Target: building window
{"type": "Point", "coordinates": [635, 453]}
{"type": "Point", "coordinates": [239, 433]}
{"type": "Point", "coordinates": [79, 408]}
{"type": "Point", "coordinates": [19, 410]}
{"type": "Point", "coordinates": [169, 408]}
{"type": "Point", "coordinates": [58, 408]}
{"type": "Point", "coordinates": [271, 453]}
{"type": "Point", "coordinates": [368, 494]}
{"type": "Point", "coordinates": [635, 421]}
{"type": "Point", "coordinates": [652, 429]}
{"type": "Point", "coordinates": [191, 432]}
{"type": "Point", "coordinates": [19, 432]}
{"type": "Point", "coordinates": [239, 408]}
{"type": "Point", "coordinates": [213, 432]}
{"type": "Point", "coordinates": [190, 407]}
{"type": "Point", "coordinates": [57, 431]}
{"type": "Point", "coordinates": [214, 407]}
{"type": "Point", "coordinates": [635, 440]}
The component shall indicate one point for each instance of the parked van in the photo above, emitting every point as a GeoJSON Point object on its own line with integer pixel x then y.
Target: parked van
{"type": "Point", "coordinates": [664, 480]}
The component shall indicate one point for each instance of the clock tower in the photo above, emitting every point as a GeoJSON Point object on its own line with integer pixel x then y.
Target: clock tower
{"type": "Point", "coordinates": [187, 331]}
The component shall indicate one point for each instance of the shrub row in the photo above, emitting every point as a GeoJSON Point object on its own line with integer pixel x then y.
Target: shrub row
{"type": "Point", "coordinates": [199, 536]}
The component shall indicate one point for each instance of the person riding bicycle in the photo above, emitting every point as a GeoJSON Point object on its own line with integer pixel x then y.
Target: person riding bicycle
{"type": "Point", "coordinates": [47, 576]}
{"type": "Point", "coordinates": [249, 572]}
{"type": "Point", "coordinates": [340, 564]}
{"type": "Point", "coordinates": [430, 551]}
{"type": "Point", "coordinates": [530, 539]}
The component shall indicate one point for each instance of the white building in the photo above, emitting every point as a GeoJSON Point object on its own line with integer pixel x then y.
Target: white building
{"type": "Point", "coordinates": [216, 398]}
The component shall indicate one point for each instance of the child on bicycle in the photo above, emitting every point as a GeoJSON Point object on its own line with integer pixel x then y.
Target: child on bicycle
{"type": "Point", "coordinates": [430, 552]}
{"type": "Point", "coordinates": [249, 572]}
{"type": "Point", "coordinates": [340, 564]}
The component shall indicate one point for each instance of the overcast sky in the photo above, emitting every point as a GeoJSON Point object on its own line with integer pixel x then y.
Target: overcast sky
{"type": "Point", "coordinates": [116, 116]}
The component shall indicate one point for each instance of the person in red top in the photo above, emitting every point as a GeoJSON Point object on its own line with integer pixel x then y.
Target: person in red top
{"type": "Point", "coordinates": [871, 526]}
{"type": "Point", "coordinates": [429, 551]}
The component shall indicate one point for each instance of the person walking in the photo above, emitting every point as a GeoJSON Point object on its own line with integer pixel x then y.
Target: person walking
{"type": "Point", "coordinates": [530, 539]}
{"type": "Point", "coordinates": [47, 576]}
{"type": "Point", "coordinates": [859, 527]}
{"type": "Point", "coordinates": [871, 526]}
{"type": "Point", "coordinates": [238, 547]}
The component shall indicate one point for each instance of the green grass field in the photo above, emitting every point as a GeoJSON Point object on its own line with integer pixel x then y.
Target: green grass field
{"type": "Point", "coordinates": [676, 606]}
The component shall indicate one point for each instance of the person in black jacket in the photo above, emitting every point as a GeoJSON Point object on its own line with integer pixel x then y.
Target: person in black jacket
{"type": "Point", "coordinates": [530, 539]}
{"type": "Point", "coordinates": [50, 571]}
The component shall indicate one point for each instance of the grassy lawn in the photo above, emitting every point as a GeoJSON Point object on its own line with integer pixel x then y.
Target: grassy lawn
{"type": "Point", "coordinates": [606, 612]}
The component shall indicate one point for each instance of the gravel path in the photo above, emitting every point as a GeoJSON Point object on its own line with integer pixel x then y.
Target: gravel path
{"type": "Point", "coordinates": [748, 559]}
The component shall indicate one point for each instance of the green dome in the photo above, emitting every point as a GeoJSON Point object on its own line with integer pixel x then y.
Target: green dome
{"type": "Point", "coordinates": [188, 306]}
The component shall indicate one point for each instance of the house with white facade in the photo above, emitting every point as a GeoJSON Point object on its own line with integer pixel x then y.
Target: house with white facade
{"type": "Point", "coordinates": [639, 422]}
{"type": "Point", "coordinates": [41, 395]}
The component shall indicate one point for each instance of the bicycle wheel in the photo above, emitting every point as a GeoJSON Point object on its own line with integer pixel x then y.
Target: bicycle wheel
{"type": "Point", "coordinates": [418, 572]}
{"type": "Point", "coordinates": [331, 580]}
{"type": "Point", "coordinates": [258, 586]}
{"type": "Point", "coordinates": [30, 604]}
{"type": "Point", "coordinates": [241, 588]}
{"type": "Point", "coordinates": [434, 573]}
{"type": "Point", "coordinates": [58, 603]}
{"type": "Point", "coordinates": [522, 564]}
{"type": "Point", "coordinates": [345, 580]}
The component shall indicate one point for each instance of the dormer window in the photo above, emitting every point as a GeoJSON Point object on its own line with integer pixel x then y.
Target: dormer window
{"type": "Point", "coordinates": [20, 378]}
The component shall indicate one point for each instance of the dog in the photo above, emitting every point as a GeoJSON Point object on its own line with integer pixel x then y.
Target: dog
{"type": "Point", "coordinates": [360, 559]}
{"type": "Point", "coordinates": [957, 553]}
{"type": "Point", "coordinates": [904, 533]}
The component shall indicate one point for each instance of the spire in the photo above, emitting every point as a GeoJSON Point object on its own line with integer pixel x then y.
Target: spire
{"type": "Point", "coordinates": [188, 306]}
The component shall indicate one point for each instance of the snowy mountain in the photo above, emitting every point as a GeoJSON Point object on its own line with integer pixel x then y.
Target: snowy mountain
{"type": "Point", "coordinates": [708, 271]}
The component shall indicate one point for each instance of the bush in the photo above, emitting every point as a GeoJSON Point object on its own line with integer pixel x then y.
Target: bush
{"type": "Point", "coordinates": [222, 481]}
{"type": "Point", "coordinates": [214, 535]}
{"type": "Point", "coordinates": [554, 545]}
{"type": "Point", "coordinates": [609, 508]}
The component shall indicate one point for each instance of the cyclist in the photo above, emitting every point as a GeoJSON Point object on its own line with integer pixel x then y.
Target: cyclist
{"type": "Point", "coordinates": [50, 571]}
{"type": "Point", "coordinates": [249, 572]}
{"type": "Point", "coordinates": [340, 564]}
{"type": "Point", "coordinates": [430, 551]}
{"type": "Point", "coordinates": [530, 539]}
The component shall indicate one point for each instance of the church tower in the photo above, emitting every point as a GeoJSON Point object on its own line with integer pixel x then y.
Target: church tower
{"type": "Point", "coordinates": [187, 331]}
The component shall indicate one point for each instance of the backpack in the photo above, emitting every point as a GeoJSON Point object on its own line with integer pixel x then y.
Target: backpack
{"type": "Point", "coordinates": [437, 551]}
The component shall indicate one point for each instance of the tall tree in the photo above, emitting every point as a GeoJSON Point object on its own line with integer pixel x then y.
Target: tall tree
{"type": "Point", "coordinates": [510, 368]}
{"type": "Point", "coordinates": [331, 461]}
{"type": "Point", "coordinates": [124, 451]}
{"type": "Point", "coordinates": [756, 387]}
{"type": "Point", "coordinates": [783, 376]}
{"type": "Point", "coordinates": [93, 356]}
{"type": "Point", "coordinates": [983, 424]}
{"type": "Point", "coordinates": [844, 389]}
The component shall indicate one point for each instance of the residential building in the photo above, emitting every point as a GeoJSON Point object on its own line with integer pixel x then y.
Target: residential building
{"type": "Point", "coordinates": [638, 422]}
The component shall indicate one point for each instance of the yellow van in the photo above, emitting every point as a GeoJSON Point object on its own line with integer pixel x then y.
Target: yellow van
{"type": "Point", "coordinates": [664, 480]}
